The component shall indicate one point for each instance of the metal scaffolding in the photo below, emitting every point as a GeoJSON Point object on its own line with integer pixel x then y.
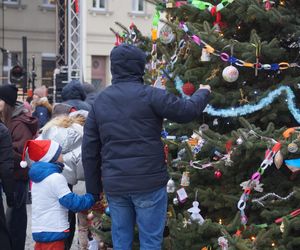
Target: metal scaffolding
{"type": "Point", "coordinates": [74, 40]}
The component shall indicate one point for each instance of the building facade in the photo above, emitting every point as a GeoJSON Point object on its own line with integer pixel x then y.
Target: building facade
{"type": "Point", "coordinates": [36, 20]}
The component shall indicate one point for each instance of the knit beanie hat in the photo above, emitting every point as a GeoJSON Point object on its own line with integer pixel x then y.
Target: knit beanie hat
{"type": "Point", "coordinates": [40, 91]}
{"type": "Point", "coordinates": [9, 94]}
{"type": "Point", "coordinates": [40, 150]}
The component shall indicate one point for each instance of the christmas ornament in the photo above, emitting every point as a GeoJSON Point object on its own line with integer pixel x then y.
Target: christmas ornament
{"type": "Point", "coordinates": [278, 159]}
{"type": "Point", "coordinates": [107, 211]}
{"type": "Point", "coordinates": [205, 56]}
{"type": "Point", "coordinates": [90, 216]}
{"type": "Point", "coordinates": [159, 84]}
{"type": "Point", "coordinates": [239, 141]}
{"type": "Point", "coordinates": [182, 195]}
{"type": "Point", "coordinates": [218, 174]}
{"type": "Point", "coordinates": [223, 243]}
{"type": "Point", "coordinates": [293, 164]}
{"type": "Point", "coordinates": [292, 147]}
{"type": "Point", "coordinates": [171, 186]}
{"type": "Point", "coordinates": [252, 184]}
{"type": "Point", "coordinates": [185, 179]}
{"type": "Point", "coordinates": [268, 4]}
{"type": "Point", "coordinates": [230, 74]}
{"type": "Point", "coordinates": [215, 122]}
{"type": "Point", "coordinates": [166, 34]}
{"type": "Point", "coordinates": [195, 213]}
{"type": "Point", "coordinates": [175, 201]}
{"type": "Point", "coordinates": [281, 227]}
{"type": "Point", "coordinates": [188, 88]}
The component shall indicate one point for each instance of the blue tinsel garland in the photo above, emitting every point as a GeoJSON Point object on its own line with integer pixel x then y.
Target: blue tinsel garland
{"type": "Point", "coordinates": [250, 108]}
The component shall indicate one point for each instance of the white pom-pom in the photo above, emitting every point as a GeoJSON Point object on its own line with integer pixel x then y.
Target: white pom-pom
{"type": "Point", "coordinates": [23, 164]}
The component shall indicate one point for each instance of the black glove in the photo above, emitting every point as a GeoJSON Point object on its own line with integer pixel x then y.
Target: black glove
{"type": "Point", "coordinates": [11, 199]}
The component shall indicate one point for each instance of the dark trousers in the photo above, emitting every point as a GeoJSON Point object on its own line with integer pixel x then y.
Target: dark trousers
{"type": "Point", "coordinates": [72, 221]}
{"type": "Point", "coordinates": [17, 216]}
{"type": "Point", "coordinates": [4, 235]}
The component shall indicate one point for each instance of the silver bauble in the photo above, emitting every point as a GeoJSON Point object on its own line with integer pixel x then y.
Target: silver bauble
{"type": "Point", "coordinates": [170, 186]}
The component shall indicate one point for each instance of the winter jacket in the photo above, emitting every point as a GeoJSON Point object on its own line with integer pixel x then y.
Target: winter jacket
{"type": "Point", "coordinates": [22, 128]}
{"type": "Point", "coordinates": [70, 139]}
{"type": "Point", "coordinates": [51, 199]}
{"type": "Point", "coordinates": [6, 164]}
{"type": "Point", "coordinates": [122, 148]}
{"type": "Point", "coordinates": [74, 95]}
{"type": "Point", "coordinates": [42, 111]}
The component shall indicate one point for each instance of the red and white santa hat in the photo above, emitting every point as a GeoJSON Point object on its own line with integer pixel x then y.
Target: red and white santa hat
{"type": "Point", "coordinates": [40, 150]}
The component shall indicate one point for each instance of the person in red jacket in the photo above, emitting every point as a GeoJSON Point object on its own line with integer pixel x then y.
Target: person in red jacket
{"type": "Point", "coordinates": [22, 127]}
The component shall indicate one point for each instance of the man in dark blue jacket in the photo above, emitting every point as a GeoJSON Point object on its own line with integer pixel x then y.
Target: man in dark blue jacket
{"type": "Point", "coordinates": [122, 151]}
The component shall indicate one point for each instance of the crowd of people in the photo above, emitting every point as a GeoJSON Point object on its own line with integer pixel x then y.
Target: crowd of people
{"type": "Point", "coordinates": [111, 140]}
{"type": "Point", "coordinates": [37, 119]}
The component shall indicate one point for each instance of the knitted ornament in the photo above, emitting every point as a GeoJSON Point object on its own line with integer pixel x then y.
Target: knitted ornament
{"type": "Point", "coordinates": [40, 150]}
{"type": "Point", "coordinates": [188, 88]}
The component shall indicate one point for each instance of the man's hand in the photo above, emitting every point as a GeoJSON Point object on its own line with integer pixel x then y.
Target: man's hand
{"type": "Point", "coordinates": [205, 87]}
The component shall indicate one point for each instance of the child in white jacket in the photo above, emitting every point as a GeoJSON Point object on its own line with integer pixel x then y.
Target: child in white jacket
{"type": "Point", "coordinates": [51, 196]}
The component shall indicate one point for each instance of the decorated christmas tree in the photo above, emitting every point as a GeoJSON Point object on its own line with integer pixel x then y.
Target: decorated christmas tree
{"type": "Point", "coordinates": [234, 172]}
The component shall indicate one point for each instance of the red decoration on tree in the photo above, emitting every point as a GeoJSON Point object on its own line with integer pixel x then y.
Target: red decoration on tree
{"type": "Point", "coordinates": [188, 88]}
{"type": "Point", "coordinates": [166, 150]}
{"type": "Point", "coordinates": [218, 174]}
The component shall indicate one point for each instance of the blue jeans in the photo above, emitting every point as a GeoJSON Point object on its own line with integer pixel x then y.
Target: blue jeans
{"type": "Point", "coordinates": [17, 216]}
{"type": "Point", "coordinates": [148, 210]}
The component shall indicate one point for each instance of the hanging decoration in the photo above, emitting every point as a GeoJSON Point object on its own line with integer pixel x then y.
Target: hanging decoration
{"type": "Point", "coordinates": [230, 74]}
{"type": "Point", "coordinates": [195, 213]}
{"type": "Point", "coordinates": [205, 55]}
{"type": "Point", "coordinates": [166, 35]}
{"type": "Point", "coordinates": [272, 195]}
{"type": "Point", "coordinates": [236, 61]}
{"type": "Point", "coordinates": [264, 102]}
{"type": "Point", "coordinates": [223, 243]}
{"type": "Point", "coordinates": [268, 161]}
{"type": "Point", "coordinates": [188, 88]}
{"type": "Point", "coordinates": [218, 174]}
{"type": "Point", "coordinates": [171, 186]}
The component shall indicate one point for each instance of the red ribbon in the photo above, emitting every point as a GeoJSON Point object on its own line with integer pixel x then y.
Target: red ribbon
{"type": "Point", "coordinates": [216, 13]}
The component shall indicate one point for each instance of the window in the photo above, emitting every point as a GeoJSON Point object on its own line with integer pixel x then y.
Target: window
{"type": "Point", "coordinates": [9, 60]}
{"type": "Point", "coordinates": [138, 5]}
{"type": "Point", "coordinates": [49, 2]}
{"type": "Point", "coordinates": [99, 4]}
{"type": "Point", "coordinates": [11, 1]}
{"type": "Point", "coordinates": [99, 71]}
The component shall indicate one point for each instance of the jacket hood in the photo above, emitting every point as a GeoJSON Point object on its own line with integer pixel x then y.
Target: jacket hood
{"type": "Point", "coordinates": [127, 64]}
{"type": "Point", "coordinates": [21, 115]}
{"type": "Point", "coordinates": [68, 138]}
{"type": "Point", "coordinates": [19, 109]}
{"type": "Point", "coordinates": [43, 102]}
{"type": "Point", "coordinates": [40, 170]}
{"type": "Point", "coordinates": [73, 90]}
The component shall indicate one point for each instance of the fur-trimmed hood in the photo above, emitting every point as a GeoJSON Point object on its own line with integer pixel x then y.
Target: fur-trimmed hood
{"type": "Point", "coordinates": [42, 102]}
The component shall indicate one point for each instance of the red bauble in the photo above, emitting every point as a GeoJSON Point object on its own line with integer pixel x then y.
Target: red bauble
{"type": "Point", "coordinates": [218, 174]}
{"type": "Point", "coordinates": [188, 88]}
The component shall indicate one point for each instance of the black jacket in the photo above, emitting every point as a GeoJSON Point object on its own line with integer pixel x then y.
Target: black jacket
{"type": "Point", "coordinates": [122, 147]}
{"type": "Point", "coordinates": [6, 163]}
